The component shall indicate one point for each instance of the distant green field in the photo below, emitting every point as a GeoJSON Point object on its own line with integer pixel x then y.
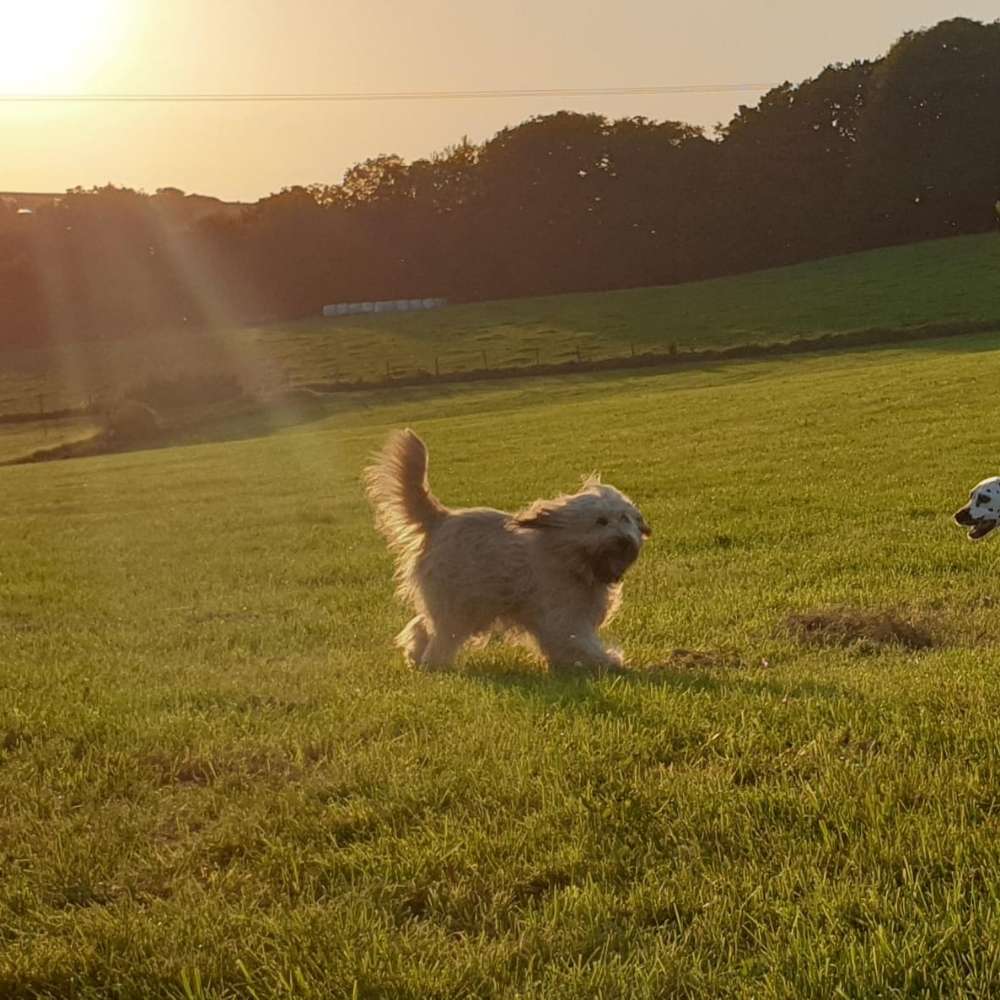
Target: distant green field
{"type": "Point", "coordinates": [218, 781]}
{"type": "Point", "coordinates": [942, 281]}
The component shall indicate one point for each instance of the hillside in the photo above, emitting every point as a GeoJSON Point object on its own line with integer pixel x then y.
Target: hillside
{"type": "Point", "coordinates": [933, 282]}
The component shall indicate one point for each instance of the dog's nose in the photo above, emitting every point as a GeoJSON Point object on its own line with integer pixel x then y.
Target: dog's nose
{"type": "Point", "coordinates": [627, 545]}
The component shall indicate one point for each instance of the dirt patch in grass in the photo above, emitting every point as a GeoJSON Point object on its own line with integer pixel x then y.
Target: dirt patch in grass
{"type": "Point", "coordinates": [539, 885]}
{"type": "Point", "coordinates": [862, 629]}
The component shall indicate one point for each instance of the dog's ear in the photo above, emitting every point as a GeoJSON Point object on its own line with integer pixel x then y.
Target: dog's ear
{"type": "Point", "coordinates": [591, 479]}
{"type": "Point", "coordinates": [541, 514]}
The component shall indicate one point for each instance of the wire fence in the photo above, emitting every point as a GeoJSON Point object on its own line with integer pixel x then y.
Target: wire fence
{"type": "Point", "coordinates": [392, 366]}
{"type": "Point", "coordinates": [394, 371]}
{"type": "Point", "coordinates": [597, 356]}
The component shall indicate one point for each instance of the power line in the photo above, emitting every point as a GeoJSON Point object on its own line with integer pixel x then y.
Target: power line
{"type": "Point", "coordinates": [420, 95]}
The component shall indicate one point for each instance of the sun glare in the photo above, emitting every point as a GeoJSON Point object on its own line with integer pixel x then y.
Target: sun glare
{"type": "Point", "coordinates": [54, 45]}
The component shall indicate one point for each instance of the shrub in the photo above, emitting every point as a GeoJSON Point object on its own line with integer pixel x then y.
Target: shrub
{"type": "Point", "coordinates": [131, 420]}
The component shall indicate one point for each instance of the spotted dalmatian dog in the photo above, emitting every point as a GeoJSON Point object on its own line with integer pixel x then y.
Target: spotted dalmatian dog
{"type": "Point", "coordinates": [982, 513]}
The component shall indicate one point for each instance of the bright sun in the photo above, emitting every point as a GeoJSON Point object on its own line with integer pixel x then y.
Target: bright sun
{"type": "Point", "coordinates": [53, 45]}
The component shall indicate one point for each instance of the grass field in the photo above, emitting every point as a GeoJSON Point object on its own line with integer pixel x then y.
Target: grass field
{"type": "Point", "coordinates": [934, 282]}
{"type": "Point", "coordinates": [217, 780]}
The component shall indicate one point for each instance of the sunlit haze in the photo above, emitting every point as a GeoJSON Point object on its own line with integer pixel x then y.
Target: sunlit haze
{"type": "Point", "coordinates": [246, 150]}
{"type": "Point", "coordinates": [57, 45]}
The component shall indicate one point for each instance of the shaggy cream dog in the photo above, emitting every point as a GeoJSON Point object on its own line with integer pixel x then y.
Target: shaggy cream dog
{"type": "Point", "coordinates": [550, 574]}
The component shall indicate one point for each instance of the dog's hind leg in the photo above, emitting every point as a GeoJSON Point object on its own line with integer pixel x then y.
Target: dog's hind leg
{"type": "Point", "coordinates": [413, 640]}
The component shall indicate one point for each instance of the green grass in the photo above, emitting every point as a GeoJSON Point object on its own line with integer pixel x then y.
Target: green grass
{"type": "Point", "coordinates": [217, 780]}
{"type": "Point", "coordinates": [934, 282]}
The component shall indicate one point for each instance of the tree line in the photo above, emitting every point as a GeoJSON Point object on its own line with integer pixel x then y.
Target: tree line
{"type": "Point", "coordinates": [874, 153]}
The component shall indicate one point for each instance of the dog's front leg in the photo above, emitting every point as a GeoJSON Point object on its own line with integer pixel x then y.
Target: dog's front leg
{"type": "Point", "coordinates": [427, 650]}
{"type": "Point", "coordinates": [440, 652]}
{"type": "Point", "coordinates": [583, 649]}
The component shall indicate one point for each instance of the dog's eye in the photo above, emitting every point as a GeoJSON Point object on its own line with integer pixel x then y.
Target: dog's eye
{"type": "Point", "coordinates": [602, 521]}
{"type": "Point", "coordinates": [983, 499]}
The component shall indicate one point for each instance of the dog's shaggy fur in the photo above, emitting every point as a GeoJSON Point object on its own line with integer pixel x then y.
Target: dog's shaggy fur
{"type": "Point", "coordinates": [550, 574]}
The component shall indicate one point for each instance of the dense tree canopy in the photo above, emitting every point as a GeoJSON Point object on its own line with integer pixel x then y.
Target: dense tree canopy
{"type": "Point", "coordinates": [900, 149]}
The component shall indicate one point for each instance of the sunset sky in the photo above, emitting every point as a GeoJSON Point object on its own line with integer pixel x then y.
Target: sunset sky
{"type": "Point", "coordinates": [243, 151]}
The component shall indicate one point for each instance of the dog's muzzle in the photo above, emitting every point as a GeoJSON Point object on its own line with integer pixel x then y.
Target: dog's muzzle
{"type": "Point", "coordinates": [611, 561]}
{"type": "Point", "coordinates": [978, 527]}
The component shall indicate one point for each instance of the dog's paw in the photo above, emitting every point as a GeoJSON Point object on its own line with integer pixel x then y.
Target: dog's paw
{"type": "Point", "coordinates": [593, 668]}
{"type": "Point", "coordinates": [618, 669]}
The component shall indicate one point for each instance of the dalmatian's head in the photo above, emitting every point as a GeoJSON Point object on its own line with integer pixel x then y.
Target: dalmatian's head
{"type": "Point", "coordinates": [982, 513]}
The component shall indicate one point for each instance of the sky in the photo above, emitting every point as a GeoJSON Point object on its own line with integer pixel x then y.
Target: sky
{"type": "Point", "coordinates": [243, 151]}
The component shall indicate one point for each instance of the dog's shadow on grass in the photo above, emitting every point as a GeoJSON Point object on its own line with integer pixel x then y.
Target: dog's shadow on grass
{"type": "Point", "coordinates": [598, 690]}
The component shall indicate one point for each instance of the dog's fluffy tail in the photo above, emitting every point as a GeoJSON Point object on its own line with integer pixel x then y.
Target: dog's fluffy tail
{"type": "Point", "coordinates": [396, 484]}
